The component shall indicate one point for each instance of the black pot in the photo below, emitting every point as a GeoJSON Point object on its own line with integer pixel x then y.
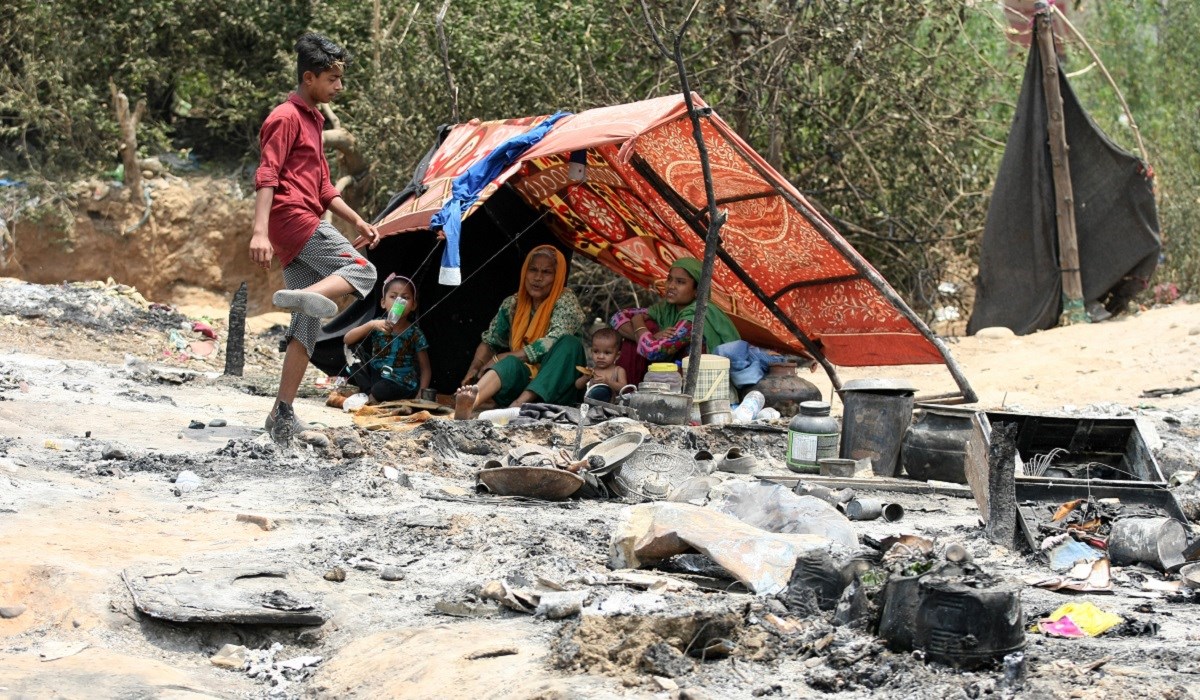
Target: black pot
{"type": "Point", "coordinates": [935, 445]}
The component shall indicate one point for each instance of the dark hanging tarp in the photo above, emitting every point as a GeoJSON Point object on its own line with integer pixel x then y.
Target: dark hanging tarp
{"type": "Point", "coordinates": [1020, 283]}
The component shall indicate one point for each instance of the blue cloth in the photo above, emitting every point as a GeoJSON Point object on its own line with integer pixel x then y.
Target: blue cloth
{"type": "Point", "coordinates": [747, 364]}
{"type": "Point", "coordinates": [467, 187]}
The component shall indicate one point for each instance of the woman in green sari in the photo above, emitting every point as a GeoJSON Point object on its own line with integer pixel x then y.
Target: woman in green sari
{"type": "Point", "coordinates": [531, 350]}
{"type": "Point", "coordinates": [663, 332]}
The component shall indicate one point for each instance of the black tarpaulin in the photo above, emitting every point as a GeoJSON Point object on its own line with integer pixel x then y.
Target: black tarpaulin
{"type": "Point", "coordinates": [1020, 284]}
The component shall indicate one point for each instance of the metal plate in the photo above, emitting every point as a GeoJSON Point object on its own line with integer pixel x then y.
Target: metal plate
{"type": "Point", "coordinates": [615, 450]}
{"type": "Point", "coordinates": [880, 386]}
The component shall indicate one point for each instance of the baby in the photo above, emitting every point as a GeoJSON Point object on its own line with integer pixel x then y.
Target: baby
{"type": "Point", "coordinates": [606, 377]}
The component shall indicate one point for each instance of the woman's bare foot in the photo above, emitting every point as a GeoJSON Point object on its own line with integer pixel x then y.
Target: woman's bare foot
{"type": "Point", "coordinates": [464, 401]}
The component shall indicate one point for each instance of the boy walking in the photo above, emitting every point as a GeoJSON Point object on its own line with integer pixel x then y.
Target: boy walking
{"type": "Point", "coordinates": [293, 190]}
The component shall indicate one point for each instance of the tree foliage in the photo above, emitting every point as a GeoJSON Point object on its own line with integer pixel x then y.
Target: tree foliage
{"type": "Point", "coordinates": [891, 115]}
{"type": "Point", "coordinates": [1149, 47]}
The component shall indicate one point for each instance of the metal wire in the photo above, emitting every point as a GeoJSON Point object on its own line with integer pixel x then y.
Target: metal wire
{"type": "Point", "coordinates": [1039, 463]}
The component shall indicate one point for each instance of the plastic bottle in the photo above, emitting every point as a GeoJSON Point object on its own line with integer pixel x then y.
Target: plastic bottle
{"type": "Point", "coordinates": [501, 416]}
{"type": "Point", "coordinates": [751, 404]}
{"type": "Point", "coordinates": [812, 436]}
{"type": "Point", "coordinates": [355, 402]}
{"type": "Point", "coordinates": [665, 373]}
{"type": "Point", "coordinates": [397, 310]}
{"type": "Point", "coordinates": [768, 413]}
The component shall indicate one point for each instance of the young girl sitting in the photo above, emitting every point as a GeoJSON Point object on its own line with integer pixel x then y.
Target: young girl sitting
{"type": "Point", "coordinates": [398, 367]}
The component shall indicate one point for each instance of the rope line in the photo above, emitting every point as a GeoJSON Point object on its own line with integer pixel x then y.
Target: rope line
{"type": "Point", "coordinates": [420, 274]}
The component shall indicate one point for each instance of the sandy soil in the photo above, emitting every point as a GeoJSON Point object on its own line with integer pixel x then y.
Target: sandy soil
{"type": "Point", "coordinates": [1110, 362]}
{"type": "Point", "coordinates": [91, 441]}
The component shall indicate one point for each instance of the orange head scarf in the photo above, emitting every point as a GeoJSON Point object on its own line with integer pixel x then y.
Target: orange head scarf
{"type": "Point", "coordinates": [527, 327]}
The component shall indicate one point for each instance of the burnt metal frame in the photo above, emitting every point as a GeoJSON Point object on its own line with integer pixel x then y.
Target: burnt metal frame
{"type": "Point", "coordinates": [692, 216]}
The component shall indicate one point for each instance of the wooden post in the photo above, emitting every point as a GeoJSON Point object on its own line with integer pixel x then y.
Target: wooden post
{"type": "Point", "coordinates": [1073, 310]}
{"type": "Point", "coordinates": [1001, 525]}
{"type": "Point", "coordinates": [235, 343]}
{"type": "Point", "coordinates": [451, 87]}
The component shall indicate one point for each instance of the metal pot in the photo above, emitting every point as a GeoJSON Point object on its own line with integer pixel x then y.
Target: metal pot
{"type": "Point", "coordinates": [662, 408]}
{"type": "Point", "coordinates": [784, 390]}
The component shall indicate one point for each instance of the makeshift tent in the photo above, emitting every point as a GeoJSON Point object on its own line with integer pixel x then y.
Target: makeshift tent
{"type": "Point", "coordinates": [1116, 222]}
{"type": "Point", "coordinates": [788, 280]}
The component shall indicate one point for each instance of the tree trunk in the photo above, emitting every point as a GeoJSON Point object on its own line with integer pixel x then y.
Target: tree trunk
{"type": "Point", "coordinates": [128, 145]}
{"type": "Point", "coordinates": [354, 172]}
{"type": "Point", "coordinates": [740, 107]}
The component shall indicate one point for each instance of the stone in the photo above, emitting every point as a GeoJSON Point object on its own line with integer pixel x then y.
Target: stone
{"type": "Point", "coordinates": [217, 423]}
{"type": "Point", "coordinates": [351, 448]}
{"type": "Point", "coordinates": [231, 656]}
{"type": "Point", "coordinates": [664, 660]}
{"type": "Point", "coordinates": [195, 425]}
{"type": "Point", "coordinates": [666, 683]}
{"type": "Point", "coordinates": [246, 594]}
{"type": "Point", "coordinates": [337, 574]}
{"type": "Point", "coordinates": [113, 452]}
{"type": "Point", "coordinates": [8, 612]}
{"type": "Point", "coordinates": [995, 333]}
{"type": "Point", "coordinates": [260, 520]}
{"type": "Point", "coordinates": [391, 573]}
{"type": "Point", "coordinates": [556, 605]}
{"type": "Point", "coordinates": [314, 437]}
{"type": "Point", "coordinates": [186, 482]}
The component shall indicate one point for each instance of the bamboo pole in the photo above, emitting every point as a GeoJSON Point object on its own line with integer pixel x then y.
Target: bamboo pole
{"type": "Point", "coordinates": [1073, 310]}
{"type": "Point", "coordinates": [716, 219]}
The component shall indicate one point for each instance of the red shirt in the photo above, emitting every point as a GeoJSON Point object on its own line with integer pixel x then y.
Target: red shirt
{"type": "Point", "coordinates": [293, 162]}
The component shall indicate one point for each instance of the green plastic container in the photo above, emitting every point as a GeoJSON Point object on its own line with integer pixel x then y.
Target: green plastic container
{"type": "Point", "coordinates": [813, 435]}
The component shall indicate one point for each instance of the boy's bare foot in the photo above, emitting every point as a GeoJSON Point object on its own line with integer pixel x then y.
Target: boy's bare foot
{"type": "Point", "coordinates": [464, 401]}
{"type": "Point", "coordinates": [307, 303]}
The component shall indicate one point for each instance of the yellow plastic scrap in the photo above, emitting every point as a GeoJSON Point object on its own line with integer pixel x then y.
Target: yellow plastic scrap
{"type": "Point", "coordinates": [1087, 617]}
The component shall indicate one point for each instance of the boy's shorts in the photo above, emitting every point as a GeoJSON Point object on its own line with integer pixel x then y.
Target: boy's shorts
{"type": "Point", "coordinates": [326, 253]}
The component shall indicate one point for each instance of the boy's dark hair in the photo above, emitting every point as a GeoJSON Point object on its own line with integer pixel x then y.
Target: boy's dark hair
{"type": "Point", "coordinates": [315, 53]}
{"type": "Point", "coordinates": [607, 334]}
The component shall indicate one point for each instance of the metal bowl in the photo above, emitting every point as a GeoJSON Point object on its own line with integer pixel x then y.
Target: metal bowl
{"type": "Point", "coordinates": [534, 482]}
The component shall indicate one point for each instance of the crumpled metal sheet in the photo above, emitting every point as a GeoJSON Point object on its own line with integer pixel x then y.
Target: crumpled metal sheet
{"type": "Point", "coordinates": [761, 560]}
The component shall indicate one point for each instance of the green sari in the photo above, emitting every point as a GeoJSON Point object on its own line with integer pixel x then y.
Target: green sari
{"type": "Point", "coordinates": [718, 329]}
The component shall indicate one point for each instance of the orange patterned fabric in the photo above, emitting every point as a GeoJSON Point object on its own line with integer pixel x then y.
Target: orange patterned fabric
{"type": "Point", "coordinates": [643, 206]}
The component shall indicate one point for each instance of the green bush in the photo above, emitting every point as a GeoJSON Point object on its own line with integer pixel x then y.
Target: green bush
{"type": "Point", "coordinates": [891, 116]}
